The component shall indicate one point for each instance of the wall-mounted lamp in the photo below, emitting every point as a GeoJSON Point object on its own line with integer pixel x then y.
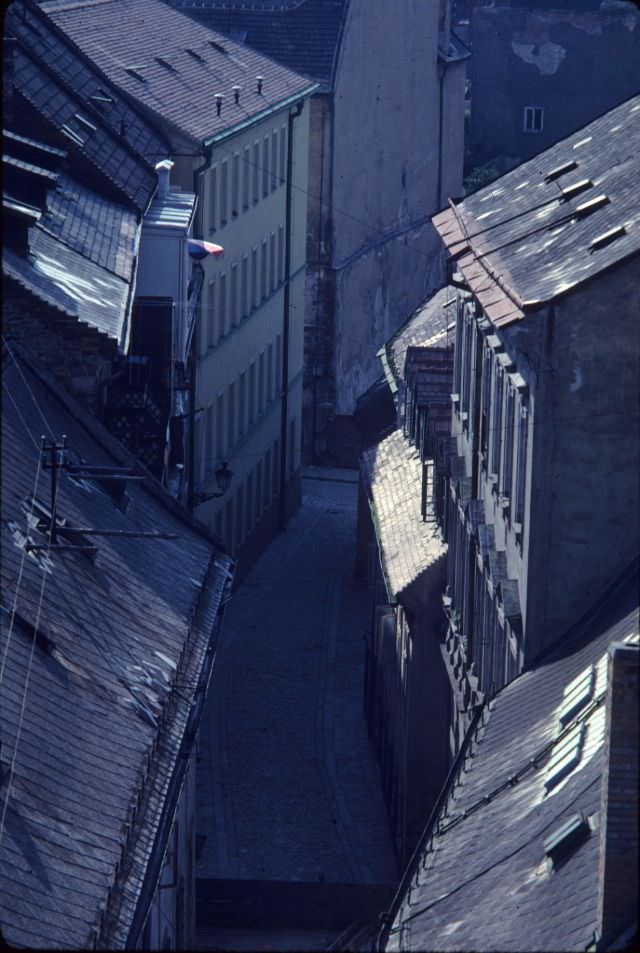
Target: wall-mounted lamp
{"type": "Point", "coordinates": [223, 477]}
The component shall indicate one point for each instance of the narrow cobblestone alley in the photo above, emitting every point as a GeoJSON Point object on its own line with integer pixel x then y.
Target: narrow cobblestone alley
{"type": "Point", "coordinates": [288, 786]}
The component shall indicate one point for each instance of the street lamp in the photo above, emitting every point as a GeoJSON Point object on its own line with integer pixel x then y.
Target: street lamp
{"type": "Point", "coordinates": [223, 477]}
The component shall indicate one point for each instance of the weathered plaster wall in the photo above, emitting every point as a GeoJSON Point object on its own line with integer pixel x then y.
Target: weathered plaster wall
{"type": "Point", "coordinates": [574, 64]}
{"type": "Point", "coordinates": [385, 178]}
{"type": "Point", "coordinates": [594, 505]}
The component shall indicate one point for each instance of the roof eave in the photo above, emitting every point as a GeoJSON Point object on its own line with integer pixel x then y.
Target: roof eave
{"type": "Point", "coordinates": [259, 116]}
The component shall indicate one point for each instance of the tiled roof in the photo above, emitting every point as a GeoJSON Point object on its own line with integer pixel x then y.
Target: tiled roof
{"type": "Point", "coordinates": [429, 371]}
{"type": "Point", "coordinates": [174, 66]}
{"type": "Point", "coordinates": [557, 220]}
{"type": "Point", "coordinates": [392, 475]}
{"type": "Point", "coordinates": [431, 325]}
{"type": "Point", "coordinates": [101, 297]}
{"type": "Point", "coordinates": [101, 231]}
{"type": "Point", "coordinates": [303, 34]}
{"type": "Point", "coordinates": [73, 96]}
{"type": "Point", "coordinates": [81, 252]}
{"type": "Point", "coordinates": [481, 879]}
{"type": "Point", "coordinates": [98, 649]}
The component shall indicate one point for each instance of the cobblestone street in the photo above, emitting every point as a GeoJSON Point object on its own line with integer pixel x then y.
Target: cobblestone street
{"type": "Point", "coordinates": [288, 786]}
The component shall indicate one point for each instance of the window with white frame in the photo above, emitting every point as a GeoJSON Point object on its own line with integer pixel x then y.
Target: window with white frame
{"type": "Point", "coordinates": [244, 287]}
{"type": "Point", "coordinates": [533, 119]}
{"type": "Point", "coordinates": [507, 454]}
{"type": "Point", "coordinates": [256, 172]}
{"type": "Point", "coordinates": [283, 153]}
{"type": "Point", "coordinates": [210, 313]}
{"type": "Point", "coordinates": [222, 306]}
{"type": "Point", "coordinates": [280, 254]}
{"type": "Point", "coordinates": [272, 262]}
{"type": "Point", "coordinates": [496, 417]}
{"type": "Point", "coordinates": [265, 166]}
{"type": "Point", "coordinates": [235, 185]}
{"type": "Point", "coordinates": [224, 191]}
{"type": "Point", "coordinates": [263, 271]}
{"type": "Point", "coordinates": [233, 297]}
{"type": "Point", "coordinates": [274, 160]}
{"type": "Point", "coordinates": [521, 462]}
{"type": "Point", "coordinates": [213, 199]}
{"type": "Point", "coordinates": [246, 172]}
{"type": "Point", "coordinates": [254, 278]}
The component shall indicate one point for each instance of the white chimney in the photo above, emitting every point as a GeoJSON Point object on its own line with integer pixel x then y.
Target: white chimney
{"type": "Point", "coordinates": [163, 168]}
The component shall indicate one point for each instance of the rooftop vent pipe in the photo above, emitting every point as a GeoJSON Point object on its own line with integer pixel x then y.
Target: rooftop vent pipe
{"type": "Point", "coordinates": [259, 81]}
{"type": "Point", "coordinates": [218, 98]}
{"type": "Point", "coordinates": [163, 169]}
{"type": "Point", "coordinates": [236, 94]}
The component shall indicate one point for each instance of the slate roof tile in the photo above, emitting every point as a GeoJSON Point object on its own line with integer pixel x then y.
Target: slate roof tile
{"type": "Point", "coordinates": [431, 325]}
{"type": "Point", "coordinates": [82, 751]}
{"type": "Point", "coordinates": [521, 242]}
{"type": "Point", "coordinates": [304, 35]}
{"type": "Point", "coordinates": [110, 34]}
{"type": "Point", "coordinates": [501, 895]}
{"type": "Point", "coordinates": [392, 476]}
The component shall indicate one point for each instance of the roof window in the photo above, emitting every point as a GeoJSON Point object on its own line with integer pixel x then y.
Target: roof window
{"type": "Point", "coordinates": [166, 64]}
{"type": "Point", "coordinates": [565, 840]}
{"type": "Point", "coordinates": [576, 695]}
{"type": "Point", "coordinates": [135, 72]}
{"type": "Point", "coordinates": [195, 55]}
{"type": "Point", "coordinates": [576, 189]}
{"type": "Point", "coordinates": [601, 241]}
{"type": "Point", "coordinates": [218, 46]}
{"type": "Point", "coordinates": [565, 756]}
{"type": "Point", "coordinates": [561, 170]}
{"type": "Point", "coordinates": [586, 208]}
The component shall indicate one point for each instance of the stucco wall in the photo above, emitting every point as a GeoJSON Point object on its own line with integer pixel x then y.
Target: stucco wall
{"type": "Point", "coordinates": [385, 176]}
{"type": "Point", "coordinates": [594, 500]}
{"type": "Point", "coordinates": [574, 64]}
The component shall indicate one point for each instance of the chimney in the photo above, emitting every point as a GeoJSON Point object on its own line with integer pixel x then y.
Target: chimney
{"type": "Point", "coordinates": [236, 94]}
{"type": "Point", "coordinates": [163, 168]}
{"type": "Point", "coordinates": [259, 81]}
{"type": "Point", "coordinates": [218, 98]}
{"type": "Point", "coordinates": [618, 862]}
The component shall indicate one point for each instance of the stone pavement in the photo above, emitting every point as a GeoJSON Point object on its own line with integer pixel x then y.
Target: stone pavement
{"type": "Point", "coordinates": [288, 786]}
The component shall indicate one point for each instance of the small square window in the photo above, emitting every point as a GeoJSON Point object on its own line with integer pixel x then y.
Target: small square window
{"type": "Point", "coordinates": [533, 119]}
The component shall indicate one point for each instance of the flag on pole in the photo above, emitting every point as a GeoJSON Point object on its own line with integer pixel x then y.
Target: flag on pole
{"type": "Point", "coordinates": [199, 249]}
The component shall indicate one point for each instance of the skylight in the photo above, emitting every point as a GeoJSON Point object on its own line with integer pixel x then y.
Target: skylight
{"type": "Point", "coordinates": [565, 756]}
{"type": "Point", "coordinates": [576, 695]}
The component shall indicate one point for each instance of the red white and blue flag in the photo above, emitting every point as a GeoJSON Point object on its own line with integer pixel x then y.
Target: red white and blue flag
{"type": "Point", "coordinates": [199, 249]}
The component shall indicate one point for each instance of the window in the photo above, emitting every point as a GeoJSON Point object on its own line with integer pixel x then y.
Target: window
{"type": "Point", "coordinates": [244, 287]}
{"type": "Point", "coordinates": [274, 160]}
{"type": "Point", "coordinates": [213, 197]}
{"type": "Point", "coordinates": [484, 398]}
{"type": "Point", "coordinates": [235, 185]}
{"type": "Point", "coordinates": [457, 350]}
{"type": "Point", "coordinates": [233, 297]}
{"type": "Point", "coordinates": [521, 464]}
{"type": "Point", "coordinates": [231, 416]}
{"type": "Point", "coordinates": [263, 271]}
{"type": "Point", "coordinates": [222, 307]}
{"type": "Point", "coordinates": [246, 172]}
{"type": "Point", "coordinates": [533, 119]}
{"type": "Point", "coordinates": [280, 254]}
{"type": "Point", "coordinates": [248, 506]}
{"type": "Point", "coordinates": [259, 497]}
{"type": "Point", "coordinates": [242, 404]}
{"type": "Point", "coordinates": [206, 447]}
{"type": "Point", "coordinates": [272, 262]}
{"type": "Point", "coordinates": [265, 166]}
{"type": "Point", "coordinates": [211, 314]}
{"type": "Point", "coordinates": [283, 152]}
{"type": "Point", "coordinates": [507, 460]}
{"type": "Point", "coordinates": [277, 381]}
{"type": "Point", "coordinates": [224, 188]}
{"type": "Point", "coordinates": [256, 168]}
{"type": "Point", "coordinates": [254, 278]}
{"type": "Point", "coordinates": [261, 384]}
{"type": "Point", "coordinates": [270, 380]}
{"type": "Point", "coordinates": [252, 394]}
{"type": "Point", "coordinates": [496, 418]}
{"type": "Point", "coordinates": [239, 521]}
{"type": "Point", "coordinates": [220, 426]}
{"type": "Point", "coordinates": [268, 473]}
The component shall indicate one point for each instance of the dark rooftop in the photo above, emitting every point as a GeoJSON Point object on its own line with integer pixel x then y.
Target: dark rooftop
{"type": "Point", "coordinates": [304, 35]}
{"type": "Point", "coordinates": [95, 645]}
{"type": "Point", "coordinates": [482, 878]}
{"type": "Point", "coordinates": [76, 100]}
{"type": "Point", "coordinates": [179, 68]}
{"type": "Point", "coordinates": [431, 325]}
{"type": "Point", "coordinates": [554, 222]}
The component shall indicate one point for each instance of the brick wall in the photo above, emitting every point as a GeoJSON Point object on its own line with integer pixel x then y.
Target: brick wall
{"type": "Point", "coordinates": [618, 875]}
{"type": "Point", "coordinates": [78, 356]}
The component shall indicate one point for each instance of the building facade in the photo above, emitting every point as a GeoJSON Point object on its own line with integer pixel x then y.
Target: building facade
{"type": "Point", "coordinates": [386, 150]}
{"type": "Point", "coordinates": [532, 75]}
{"type": "Point", "coordinates": [543, 495]}
{"type": "Point", "coordinates": [242, 147]}
{"type": "Point", "coordinates": [402, 554]}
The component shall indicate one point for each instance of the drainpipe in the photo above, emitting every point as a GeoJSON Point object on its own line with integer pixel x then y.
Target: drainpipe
{"type": "Point", "coordinates": [198, 228]}
{"type": "Point", "coordinates": [293, 114]}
